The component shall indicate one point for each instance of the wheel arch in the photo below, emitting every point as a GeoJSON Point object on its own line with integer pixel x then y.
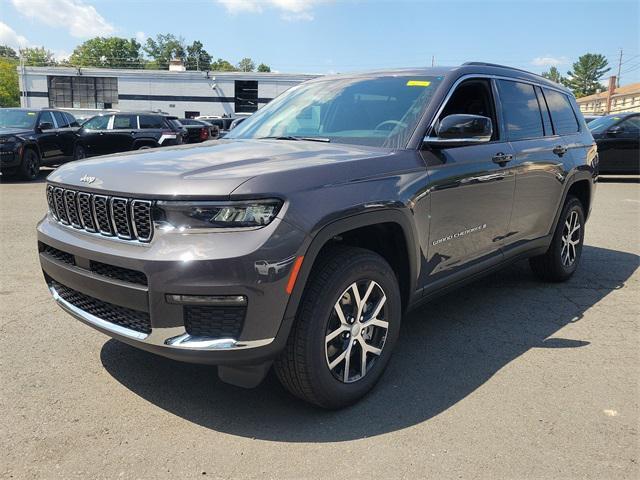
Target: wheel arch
{"type": "Point", "coordinates": [392, 222]}
{"type": "Point", "coordinates": [580, 184]}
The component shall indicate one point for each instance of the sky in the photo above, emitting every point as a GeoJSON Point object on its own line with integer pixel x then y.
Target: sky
{"type": "Point", "coordinates": [332, 36]}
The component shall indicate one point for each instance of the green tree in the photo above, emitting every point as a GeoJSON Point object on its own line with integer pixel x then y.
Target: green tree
{"type": "Point", "coordinates": [164, 48]}
{"type": "Point", "coordinates": [246, 65]}
{"type": "Point", "coordinates": [197, 57]}
{"type": "Point", "coordinates": [37, 57]}
{"type": "Point", "coordinates": [112, 52]}
{"type": "Point", "coordinates": [8, 52]}
{"type": "Point", "coordinates": [554, 75]}
{"type": "Point", "coordinates": [585, 77]}
{"type": "Point", "coordinates": [222, 65]}
{"type": "Point", "coordinates": [264, 68]}
{"type": "Point", "coordinates": [9, 90]}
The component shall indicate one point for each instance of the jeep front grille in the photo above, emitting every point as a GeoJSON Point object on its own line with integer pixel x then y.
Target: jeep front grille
{"type": "Point", "coordinates": [125, 218]}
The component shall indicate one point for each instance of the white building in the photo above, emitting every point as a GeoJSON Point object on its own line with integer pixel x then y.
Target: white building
{"type": "Point", "coordinates": [180, 93]}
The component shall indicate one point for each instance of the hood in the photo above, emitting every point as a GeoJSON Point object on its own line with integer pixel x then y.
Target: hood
{"type": "Point", "coordinates": [7, 131]}
{"type": "Point", "coordinates": [204, 170]}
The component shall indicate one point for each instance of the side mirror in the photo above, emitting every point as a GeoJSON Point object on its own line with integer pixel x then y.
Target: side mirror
{"type": "Point", "coordinates": [460, 129]}
{"type": "Point", "coordinates": [613, 131]}
{"type": "Point", "coordinates": [45, 126]}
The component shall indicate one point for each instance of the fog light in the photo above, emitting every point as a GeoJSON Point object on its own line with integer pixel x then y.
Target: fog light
{"type": "Point", "coordinates": [222, 300]}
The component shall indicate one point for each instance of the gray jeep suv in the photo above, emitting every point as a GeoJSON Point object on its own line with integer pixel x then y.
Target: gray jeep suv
{"type": "Point", "coordinates": [300, 239]}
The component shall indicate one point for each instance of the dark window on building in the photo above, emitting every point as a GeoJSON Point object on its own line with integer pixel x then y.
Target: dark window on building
{"type": "Point", "coordinates": [151, 121]}
{"type": "Point", "coordinates": [82, 92]}
{"type": "Point", "coordinates": [126, 122]}
{"type": "Point", "coordinates": [246, 99]}
{"type": "Point", "coordinates": [521, 111]}
{"type": "Point", "coordinates": [564, 120]}
{"type": "Point", "coordinates": [61, 119]}
{"type": "Point", "coordinates": [191, 114]}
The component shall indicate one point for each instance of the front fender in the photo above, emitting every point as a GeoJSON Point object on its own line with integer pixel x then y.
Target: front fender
{"type": "Point", "coordinates": [315, 242]}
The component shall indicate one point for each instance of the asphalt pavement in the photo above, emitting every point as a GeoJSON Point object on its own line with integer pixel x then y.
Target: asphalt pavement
{"type": "Point", "coordinates": [505, 378]}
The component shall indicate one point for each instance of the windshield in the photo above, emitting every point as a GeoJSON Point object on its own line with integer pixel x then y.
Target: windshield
{"type": "Point", "coordinates": [17, 118]}
{"type": "Point", "coordinates": [374, 111]}
{"type": "Point", "coordinates": [601, 124]}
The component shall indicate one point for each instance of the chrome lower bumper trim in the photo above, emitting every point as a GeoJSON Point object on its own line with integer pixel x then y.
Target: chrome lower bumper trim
{"type": "Point", "coordinates": [174, 337]}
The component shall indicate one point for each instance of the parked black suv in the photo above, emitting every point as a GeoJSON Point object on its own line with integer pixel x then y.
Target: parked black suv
{"type": "Point", "coordinates": [301, 238]}
{"type": "Point", "coordinates": [120, 132]}
{"type": "Point", "coordinates": [618, 139]}
{"type": "Point", "coordinates": [31, 138]}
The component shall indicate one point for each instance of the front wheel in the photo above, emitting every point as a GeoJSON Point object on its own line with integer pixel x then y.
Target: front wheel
{"type": "Point", "coordinates": [561, 259]}
{"type": "Point", "coordinates": [30, 166]}
{"type": "Point", "coordinates": [79, 153]}
{"type": "Point", "coordinates": [346, 328]}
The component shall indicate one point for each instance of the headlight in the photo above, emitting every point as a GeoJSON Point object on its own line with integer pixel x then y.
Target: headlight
{"type": "Point", "coordinates": [9, 139]}
{"type": "Point", "coordinates": [198, 215]}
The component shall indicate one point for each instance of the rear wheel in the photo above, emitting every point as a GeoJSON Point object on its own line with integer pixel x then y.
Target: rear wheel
{"type": "Point", "coordinates": [563, 256]}
{"type": "Point", "coordinates": [30, 166]}
{"type": "Point", "coordinates": [345, 330]}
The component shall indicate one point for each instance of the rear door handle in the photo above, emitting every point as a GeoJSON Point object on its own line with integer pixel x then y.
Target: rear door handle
{"type": "Point", "coordinates": [502, 158]}
{"type": "Point", "coordinates": [560, 150]}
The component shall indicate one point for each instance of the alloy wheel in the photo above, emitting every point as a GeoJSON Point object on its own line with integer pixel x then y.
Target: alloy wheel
{"type": "Point", "coordinates": [32, 166]}
{"type": "Point", "coordinates": [570, 239]}
{"type": "Point", "coordinates": [356, 331]}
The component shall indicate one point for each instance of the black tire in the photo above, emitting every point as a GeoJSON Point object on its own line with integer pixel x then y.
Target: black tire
{"type": "Point", "coordinates": [30, 166]}
{"type": "Point", "coordinates": [303, 367]}
{"type": "Point", "coordinates": [79, 153]}
{"type": "Point", "coordinates": [558, 264]}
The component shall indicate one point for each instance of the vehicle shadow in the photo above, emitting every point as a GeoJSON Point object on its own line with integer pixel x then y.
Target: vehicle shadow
{"type": "Point", "coordinates": [15, 179]}
{"type": "Point", "coordinates": [447, 349]}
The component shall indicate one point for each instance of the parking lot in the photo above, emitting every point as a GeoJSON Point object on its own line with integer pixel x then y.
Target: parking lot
{"type": "Point", "coordinates": [505, 378]}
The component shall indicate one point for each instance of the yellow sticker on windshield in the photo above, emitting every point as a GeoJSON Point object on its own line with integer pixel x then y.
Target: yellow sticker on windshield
{"type": "Point", "coordinates": [31, 113]}
{"type": "Point", "coordinates": [418, 83]}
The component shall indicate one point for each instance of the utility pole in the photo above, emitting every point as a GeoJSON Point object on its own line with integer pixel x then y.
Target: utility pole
{"type": "Point", "coordinates": [433, 61]}
{"type": "Point", "coordinates": [619, 66]}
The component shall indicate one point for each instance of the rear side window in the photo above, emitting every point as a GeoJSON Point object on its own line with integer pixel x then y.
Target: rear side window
{"type": "Point", "coordinates": [97, 123]}
{"type": "Point", "coordinates": [150, 121]}
{"type": "Point", "coordinates": [521, 110]}
{"type": "Point", "coordinates": [61, 119]}
{"type": "Point", "coordinates": [564, 120]}
{"type": "Point", "coordinates": [124, 122]}
{"type": "Point", "coordinates": [544, 111]}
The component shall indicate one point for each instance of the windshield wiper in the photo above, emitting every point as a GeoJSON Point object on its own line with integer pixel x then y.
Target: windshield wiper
{"type": "Point", "coordinates": [292, 137]}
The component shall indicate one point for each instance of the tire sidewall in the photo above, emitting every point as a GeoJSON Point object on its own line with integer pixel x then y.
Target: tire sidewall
{"type": "Point", "coordinates": [79, 149]}
{"type": "Point", "coordinates": [30, 155]}
{"type": "Point", "coordinates": [325, 384]}
{"type": "Point", "coordinates": [573, 205]}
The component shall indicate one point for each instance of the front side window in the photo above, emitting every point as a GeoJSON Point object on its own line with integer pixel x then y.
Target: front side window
{"type": "Point", "coordinates": [473, 97]}
{"type": "Point", "coordinates": [99, 122]}
{"type": "Point", "coordinates": [375, 111]}
{"type": "Point", "coordinates": [520, 109]}
{"type": "Point", "coordinates": [631, 124]}
{"type": "Point", "coordinates": [46, 117]}
{"type": "Point", "coordinates": [562, 116]}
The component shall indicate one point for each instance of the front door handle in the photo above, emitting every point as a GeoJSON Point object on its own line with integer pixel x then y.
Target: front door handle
{"type": "Point", "coordinates": [502, 158]}
{"type": "Point", "coordinates": [560, 150]}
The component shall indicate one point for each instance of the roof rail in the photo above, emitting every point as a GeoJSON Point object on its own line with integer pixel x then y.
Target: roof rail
{"type": "Point", "coordinates": [486, 64]}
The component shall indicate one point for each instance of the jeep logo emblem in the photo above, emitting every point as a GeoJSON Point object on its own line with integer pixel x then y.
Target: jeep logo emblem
{"type": "Point", "coordinates": [87, 179]}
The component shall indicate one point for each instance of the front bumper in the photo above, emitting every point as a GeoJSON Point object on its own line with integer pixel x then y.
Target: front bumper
{"type": "Point", "coordinates": [223, 264]}
{"type": "Point", "coordinates": [9, 155]}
